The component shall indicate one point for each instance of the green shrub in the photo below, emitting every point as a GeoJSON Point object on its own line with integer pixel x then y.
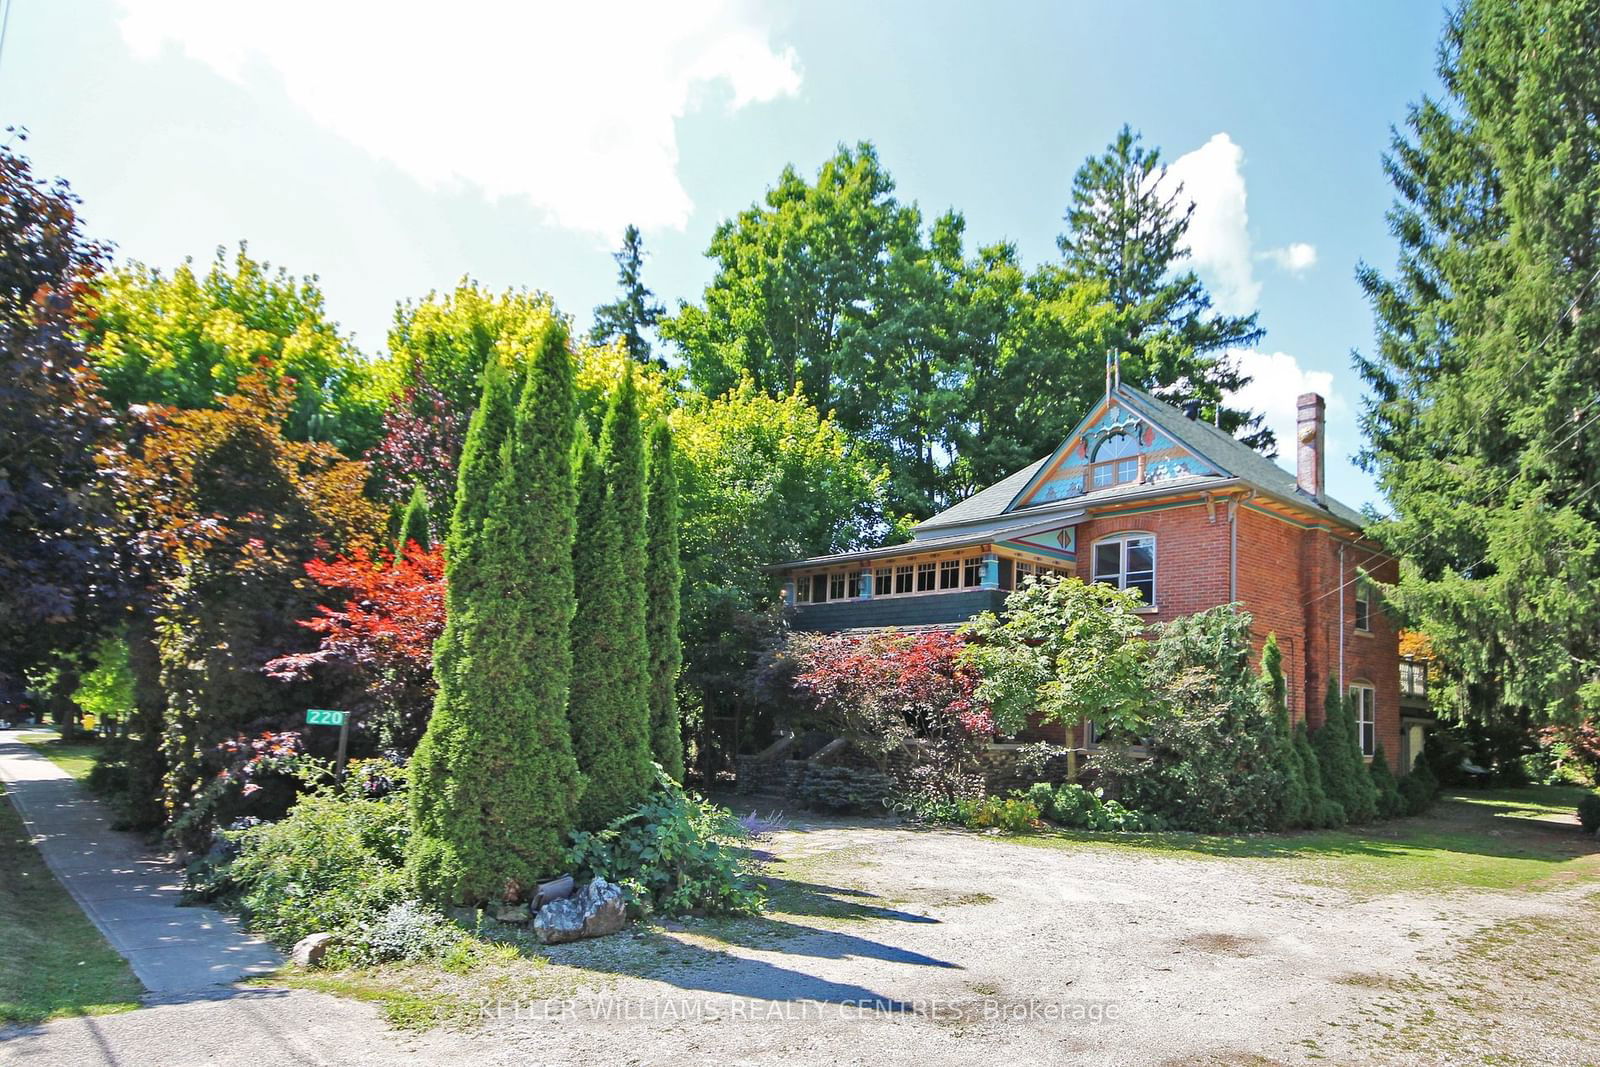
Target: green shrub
{"type": "Point", "coordinates": [1390, 802]}
{"type": "Point", "coordinates": [1015, 814]}
{"type": "Point", "coordinates": [1344, 774]}
{"type": "Point", "coordinates": [676, 853]}
{"type": "Point", "coordinates": [844, 789]}
{"type": "Point", "coordinates": [1418, 788]}
{"type": "Point", "coordinates": [1589, 813]}
{"type": "Point", "coordinates": [1074, 807]}
{"type": "Point", "coordinates": [406, 931]}
{"type": "Point", "coordinates": [333, 864]}
{"type": "Point", "coordinates": [1296, 809]}
{"type": "Point", "coordinates": [1211, 740]}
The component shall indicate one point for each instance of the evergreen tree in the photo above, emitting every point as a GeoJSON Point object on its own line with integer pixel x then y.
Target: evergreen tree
{"type": "Point", "coordinates": [1389, 802]}
{"type": "Point", "coordinates": [1296, 808]}
{"type": "Point", "coordinates": [635, 310]}
{"type": "Point", "coordinates": [609, 713]}
{"type": "Point", "coordinates": [1125, 230]}
{"type": "Point", "coordinates": [1484, 386]}
{"type": "Point", "coordinates": [1323, 810]}
{"type": "Point", "coordinates": [1344, 778]}
{"type": "Point", "coordinates": [414, 524]}
{"type": "Point", "coordinates": [494, 781]}
{"type": "Point", "coordinates": [663, 577]}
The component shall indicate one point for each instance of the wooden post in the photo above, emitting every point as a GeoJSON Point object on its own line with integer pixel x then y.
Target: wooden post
{"type": "Point", "coordinates": [344, 745]}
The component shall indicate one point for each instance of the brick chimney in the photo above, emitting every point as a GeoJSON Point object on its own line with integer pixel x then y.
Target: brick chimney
{"type": "Point", "coordinates": [1311, 445]}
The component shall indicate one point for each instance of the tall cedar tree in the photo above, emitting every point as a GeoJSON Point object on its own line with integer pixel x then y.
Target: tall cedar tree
{"type": "Point", "coordinates": [494, 779]}
{"type": "Point", "coordinates": [1484, 418]}
{"type": "Point", "coordinates": [635, 310]}
{"type": "Point", "coordinates": [1390, 803]}
{"type": "Point", "coordinates": [1323, 810]}
{"type": "Point", "coordinates": [663, 579]}
{"type": "Point", "coordinates": [57, 573]}
{"type": "Point", "coordinates": [1344, 774]}
{"type": "Point", "coordinates": [612, 750]}
{"type": "Point", "coordinates": [1296, 811]}
{"type": "Point", "coordinates": [414, 524]}
{"type": "Point", "coordinates": [1125, 230]}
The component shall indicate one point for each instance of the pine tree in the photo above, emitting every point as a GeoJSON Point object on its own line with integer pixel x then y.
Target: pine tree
{"type": "Point", "coordinates": [1324, 811]}
{"type": "Point", "coordinates": [1389, 802]}
{"type": "Point", "coordinates": [494, 781]}
{"type": "Point", "coordinates": [635, 310]}
{"type": "Point", "coordinates": [609, 713]}
{"type": "Point", "coordinates": [1482, 416]}
{"type": "Point", "coordinates": [1125, 231]}
{"type": "Point", "coordinates": [414, 524]}
{"type": "Point", "coordinates": [662, 578]}
{"type": "Point", "coordinates": [1344, 778]}
{"type": "Point", "coordinates": [1295, 810]}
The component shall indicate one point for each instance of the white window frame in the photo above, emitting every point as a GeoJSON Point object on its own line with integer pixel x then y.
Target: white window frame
{"type": "Point", "coordinates": [836, 581]}
{"type": "Point", "coordinates": [1364, 709]}
{"type": "Point", "coordinates": [1362, 615]}
{"type": "Point", "coordinates": [971, 572]}
{"type": "Point", "coordinates": [909, 573]}
{"type": "Point", "coordinates": [931, 569]}
{"type": "Point", "coordinates": [1122, 540]}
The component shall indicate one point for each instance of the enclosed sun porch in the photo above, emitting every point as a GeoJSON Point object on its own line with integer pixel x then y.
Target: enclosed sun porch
{"type": "Point", "coordinates": [927, 582]}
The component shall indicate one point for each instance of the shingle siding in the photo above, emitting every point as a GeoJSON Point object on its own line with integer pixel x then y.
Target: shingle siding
{"type": "Point", "coordinates": [932, 609]}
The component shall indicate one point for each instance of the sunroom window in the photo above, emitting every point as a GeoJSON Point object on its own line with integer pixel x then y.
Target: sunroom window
{"type": "Point", "coordinates": [972, 571]}
{"type": "Point", "coordinates": [902, 578]}
{"type": "Point", "coordinates": [925, 577]}
{"type": "Point", "coordinates": [1128, 561]}
{"type": "Point", "coordinates": [883, 581]}
{"type": "Point", "coordinates": [836, 586]}
{"type": "Point", "coordinates": [949, 574]}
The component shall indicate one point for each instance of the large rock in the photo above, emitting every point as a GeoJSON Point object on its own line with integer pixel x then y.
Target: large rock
{"type": "Point", "coordinates": [595, 910]}
{"type": "Point", "coordinates": [309, 950]}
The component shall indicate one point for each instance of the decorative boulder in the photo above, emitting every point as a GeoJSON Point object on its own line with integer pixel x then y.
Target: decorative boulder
{"type": "Point", "coordinates": [595, 910]}
{"type": "Point", "coordinates": [309, 950]}
{"type": "Point", "coordinates": [512, 913]}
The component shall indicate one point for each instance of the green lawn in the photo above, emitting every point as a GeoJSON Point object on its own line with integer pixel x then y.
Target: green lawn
{"type": "Point", "coordinates": [76, 757]}
{"type": "Point", "coordinates": [1491, 839]}
{"type": "Point", "coordinates": [53, 961]}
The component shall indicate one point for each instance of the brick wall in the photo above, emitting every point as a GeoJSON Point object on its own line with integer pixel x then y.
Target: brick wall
{"type": "Point", "coordinates": [1285, 577]}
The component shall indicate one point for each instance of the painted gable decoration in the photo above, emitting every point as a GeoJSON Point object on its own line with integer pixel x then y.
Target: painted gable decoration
{"type": "Point", "coordinates": [1113, 432]}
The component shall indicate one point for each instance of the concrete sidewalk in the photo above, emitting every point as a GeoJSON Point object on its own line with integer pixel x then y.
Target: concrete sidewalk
{"type": "Point", "coordinates": [131, 893]}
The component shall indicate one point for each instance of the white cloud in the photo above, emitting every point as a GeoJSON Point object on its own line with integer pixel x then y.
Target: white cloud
{"type": "Point", "coordinates": [572, 106]}
{"type": "Point", "coordinates": [1296, 258]}
{"type": "Point", "coordinates": [1219, 236]}
{"type": "Point", "coordinates": [1278, 380]}
{"type": "Point", "coordinates": [1219, 232]}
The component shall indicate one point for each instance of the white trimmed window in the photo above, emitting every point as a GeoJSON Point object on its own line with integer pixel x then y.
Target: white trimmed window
{"type": "Point", "coordinates": [1363, 605]}
{"type": "Point", "coordinates": [836, 586]}
{"type": "Point", "coordinates": [802, 589]}
{"type": "Point", "coordinates": [853, 589]}
{"type": "Point", "coordinates": [819, 588]}
{"type": "Point", "coordinates": [972, 571]}
{"type": "Point", "coordinates": [950, 574]}
{"type": "Point", "coordinates": [902, 578]}
{"type": "Point", "coordinates": [1127, 561]}
{"type": "Point", "coordinates": [926, 575]}
{"type": "Point", "coordinates": [1024, 571]}
{"type": "Point", "coordinates": [1364, 706]}
{"type": "Point", "coordinates": [883, 581]}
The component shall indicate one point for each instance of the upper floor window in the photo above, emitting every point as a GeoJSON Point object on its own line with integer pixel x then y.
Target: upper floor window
{"type": "Point", "coordinates": [1363, 605]}
{"type": "Point", "coordinates": [1117, 472]}
{"type": "Point", "coordinates": [1413, 678]}
{"type": "Point", "coordinates": [1128, 561]}
{"type": "Point", "coordinates": [1364, 705]}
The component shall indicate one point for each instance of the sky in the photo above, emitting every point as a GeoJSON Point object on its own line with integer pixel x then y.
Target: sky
{"type": "Point", "coordinates": [393, 148]}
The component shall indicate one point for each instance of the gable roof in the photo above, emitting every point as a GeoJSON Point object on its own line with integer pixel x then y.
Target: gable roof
{"type": "Point", "coordinates": [1235, 462]}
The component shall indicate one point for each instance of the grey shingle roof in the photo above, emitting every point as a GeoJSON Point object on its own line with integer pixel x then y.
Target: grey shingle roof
{"type": "Point", "coordinates": [1234, 458]}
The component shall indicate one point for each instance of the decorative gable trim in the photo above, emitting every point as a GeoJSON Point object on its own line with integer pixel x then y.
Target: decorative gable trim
{"type": "Point", "coordinates": [1129, 429]}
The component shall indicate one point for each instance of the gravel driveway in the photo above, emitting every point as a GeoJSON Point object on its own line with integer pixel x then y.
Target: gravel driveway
{"type": "Point", "coordinates": [897, 945]}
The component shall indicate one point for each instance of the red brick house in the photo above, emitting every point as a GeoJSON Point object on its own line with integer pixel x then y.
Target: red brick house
{"type": "Point", "coordinates": [1148, 498]}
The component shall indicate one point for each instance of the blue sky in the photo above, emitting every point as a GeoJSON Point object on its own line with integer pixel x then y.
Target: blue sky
{"type": "Point", "coordinates": [392, 148]}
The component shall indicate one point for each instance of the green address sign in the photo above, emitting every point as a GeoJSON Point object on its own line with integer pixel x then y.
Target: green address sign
{"type": "Point", "coordinates": [324, 717]}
